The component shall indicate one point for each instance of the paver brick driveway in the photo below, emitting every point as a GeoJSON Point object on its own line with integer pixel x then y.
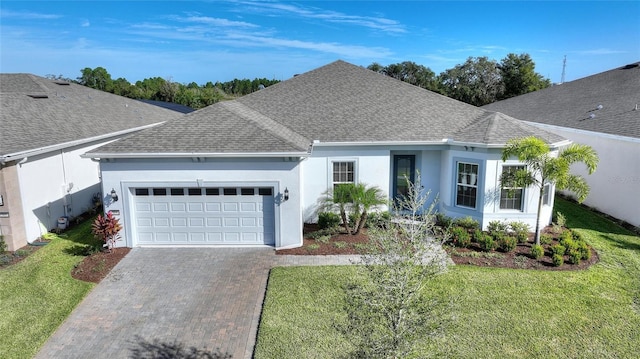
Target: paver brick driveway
{"type": "Point", "coordinates": [205, 298]}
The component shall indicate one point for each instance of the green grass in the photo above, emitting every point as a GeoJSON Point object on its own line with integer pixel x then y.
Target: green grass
{"type": "Point", "coordinates": [38, 293]}
{"type": "Point", "coordinates": [497, 313]}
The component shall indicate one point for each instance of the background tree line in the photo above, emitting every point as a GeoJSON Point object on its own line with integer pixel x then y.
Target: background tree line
{"type": "Point", "coordinates": [160, 89]}
{"type": "Point", "coordinates": [478, 81]}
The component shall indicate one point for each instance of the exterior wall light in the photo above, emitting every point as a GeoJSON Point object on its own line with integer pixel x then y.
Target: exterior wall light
{"type": "Point", "coordinates": [114, 195]}
{"type": "Point", "coordinates": [286, 194]}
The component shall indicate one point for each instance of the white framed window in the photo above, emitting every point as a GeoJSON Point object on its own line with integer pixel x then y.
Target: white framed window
{"type": "Point", "coordinates": [546, 194]}
{"type": "Point", "coordinates": [467, 184]}
{"type": "Point", "coordinates": [343, 172]}
{"type": "Point", "coordinates": [511, 196]}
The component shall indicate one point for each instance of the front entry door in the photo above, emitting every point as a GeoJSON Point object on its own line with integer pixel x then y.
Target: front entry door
{"type": "Point", "coordinates": [404, 170]}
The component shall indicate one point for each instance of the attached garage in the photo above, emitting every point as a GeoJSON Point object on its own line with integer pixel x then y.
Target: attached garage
{"type": "Point", "coordinates": [173, 216]}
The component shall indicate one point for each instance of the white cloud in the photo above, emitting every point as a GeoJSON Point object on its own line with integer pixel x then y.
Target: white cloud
{"type": "Point", "coordinates": [601, 51]}
{"type": "Point", "coordinates": [26, 15]}
{"type": "Point", "coordinates": [85, 23]}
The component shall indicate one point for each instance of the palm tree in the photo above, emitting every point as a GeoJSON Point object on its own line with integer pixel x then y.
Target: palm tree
{"type": "Point", "coordinates": [357, 199]}
{"type": "Point", "coordinates": [542, 168]}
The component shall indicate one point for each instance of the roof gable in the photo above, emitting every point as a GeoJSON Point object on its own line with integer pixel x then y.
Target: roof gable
{"type": "Point", "coordinates": [336, 103]}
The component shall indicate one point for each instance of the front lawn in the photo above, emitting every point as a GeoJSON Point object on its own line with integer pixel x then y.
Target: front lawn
{"type": "Point", "coordinates": [38, 293]}
{"type": "Point", "coordinates": [497, 313]}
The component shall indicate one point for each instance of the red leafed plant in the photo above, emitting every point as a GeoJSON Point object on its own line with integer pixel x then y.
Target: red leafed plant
{"type": "Point", "coordinates": [106, 228]}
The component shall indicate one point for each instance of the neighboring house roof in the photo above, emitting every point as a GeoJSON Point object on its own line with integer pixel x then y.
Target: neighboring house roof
{"type": "Point", "coordinates": [38, 113]}
{"type": "Point", "coordinates": [571, 104]}
{"type": "Point", "coordinates": [169, 105]}
{"type": "Point", "coordinates": [336, 103]}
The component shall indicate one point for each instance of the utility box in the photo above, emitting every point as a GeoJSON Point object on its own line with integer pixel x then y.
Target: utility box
{"type": "Point", "coordinates": [63, 222]}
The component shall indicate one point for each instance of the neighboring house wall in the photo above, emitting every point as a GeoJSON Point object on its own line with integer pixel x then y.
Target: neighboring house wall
{"type": "Point", "coordinates": [53, 185]}
{"type": "Point", "coordinates": [124, 175]}
{"type": "Point", "coordinates": [614, 185]}
{"type": "Point", "coordinates": [12, 219]}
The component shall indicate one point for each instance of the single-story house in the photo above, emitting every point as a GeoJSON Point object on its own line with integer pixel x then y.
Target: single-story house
{"type": "Point", "coordinates": [45, 125]}
{"type": "Point", "coordinates": [251, 171]}
{"type": "Point", "coordinates": [602, 111]}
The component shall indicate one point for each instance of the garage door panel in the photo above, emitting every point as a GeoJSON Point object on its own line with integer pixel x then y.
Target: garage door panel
{"type": "Point", "coordinates": [213, 207]}
{"type": "Point", "coordinates": [143, 207]}
{"type": "Point", "coordinates": [178, 207]}
{"type": "Point", "coordinates": [160, 207]}
{"type": "Point", "coordinates": [178, 222]}
{"type": "Point", "coordinates": [196, 222]}
{"type": "Point", "coordinates": [183, 219]}
{"type": "Point", "coordinates": [161, 222]}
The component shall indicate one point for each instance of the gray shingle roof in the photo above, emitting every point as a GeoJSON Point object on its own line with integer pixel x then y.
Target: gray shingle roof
{"type": "Point", "coordinates": [36, 112]}
{"type": "Point", "coordinates": [340, 103]}
{"type": "Point", "coordinates": [572, 103]}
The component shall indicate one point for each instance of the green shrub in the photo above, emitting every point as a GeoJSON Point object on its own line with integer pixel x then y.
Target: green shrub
{"type": "Point", "coordinates": [557, 260]}
{"type": "Point", "coordinates": [323, 232]}
{"type": "Point", "coordinates": [323, 239]}
{"type": "Point", "coordinates": [21, 253]}
{"type": "Point", "coordinates": [313, 247]}
{"type": "Point", "coordinates": [520, 230]}
{"type": "Point", "coordinates": [546, 239]}
{"type": "Point", "coordinates": [576, 236]}
{"type": "Point", "coordinates": [477, 235]}
{"type": "Point", "coordinates": [467, 222]}
{"type": "Point", "coordinates": [328, 220]}
{"type": "Point", "coordinates": [570, 245]}
{"type": "Point", "coordinates": [378, 219]}
{"type": "Point", "coordinates": [443, 220]}
{"type": "Point", "coordinates": [497, 226]}
{"type": "Point", "coordinates": [487, 243]}
{"type": "Point", "coordinates": [507, 243]}
{"type": "Point", "coordinates": [558, 249]}
{"type": "Point", "coordinates": [566, 235]}
{"type": "Point", "coordinates": [460, 237]}
{"type": "Point", "coordinates": [3, 245]}
{"type": "Point", "coordinates": [5, 259]}
{"type": "Point", "coordinates": [537, 251]}
{"type": "Point", "coordinates": [340, 244]}
{"type": "Point", "coordinates": [560, 219]}
{"type": "Point", "coordinates": [585, 251]}
{"type": "Point", "coordinates": [575, 256]}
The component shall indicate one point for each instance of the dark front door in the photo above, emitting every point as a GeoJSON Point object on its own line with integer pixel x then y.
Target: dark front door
{"type": "Point", "coordinates": [404, 170]}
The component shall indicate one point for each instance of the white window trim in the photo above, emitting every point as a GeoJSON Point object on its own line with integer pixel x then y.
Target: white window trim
{"type": "Point", "coordinates": [331, 161]}
{"type": "Point", "coordinates": [548, 196]}
{"type": "Point", "coordinates": [475, 207]}
{"type": "Point", "coordinates": [524, 190]}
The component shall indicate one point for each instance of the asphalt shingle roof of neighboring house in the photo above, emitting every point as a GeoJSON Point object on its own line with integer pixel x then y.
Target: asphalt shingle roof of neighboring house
{"type": "Point", "coordinates": [571, 104]}
{"type": "Point", "coordinates": [336, 103]}
{"type": "Point", "coordinates": [36, 112]}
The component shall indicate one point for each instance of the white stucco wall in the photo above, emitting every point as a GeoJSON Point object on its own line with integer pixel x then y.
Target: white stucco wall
{"type": "Point", "coordinates": [488, 201]}
{"type": "Point", "coordinates": [56, 184]}
{"type": "Point", "coordinates": [123, 175]}
{"type": "Point", "coordinates": [615, 184]}
{"type": "Point", "coordinates": [372, 167]}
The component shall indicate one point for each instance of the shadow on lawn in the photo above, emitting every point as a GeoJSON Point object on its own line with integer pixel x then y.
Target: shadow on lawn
{"type": "Point", "coordinates": [144, 349]}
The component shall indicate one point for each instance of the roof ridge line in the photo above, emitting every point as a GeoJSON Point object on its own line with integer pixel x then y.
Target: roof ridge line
{"type": "Point", "coordinates": [266, 123]}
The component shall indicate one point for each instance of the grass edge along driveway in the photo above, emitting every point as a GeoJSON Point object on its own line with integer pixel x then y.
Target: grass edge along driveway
{"type": "Point", "coordinates": [38, 293]}
{"type": "Point", "coordinates": [497, 313]}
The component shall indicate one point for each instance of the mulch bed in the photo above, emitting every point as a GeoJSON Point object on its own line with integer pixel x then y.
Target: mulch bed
{"type": "Point", "coordinates": [95, 267]}
{"type": "Point", "coordinates": [519, 258]}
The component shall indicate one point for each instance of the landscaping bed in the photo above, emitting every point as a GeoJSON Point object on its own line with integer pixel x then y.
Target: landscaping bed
{"type": "Point", "coordinates": [96, 266]}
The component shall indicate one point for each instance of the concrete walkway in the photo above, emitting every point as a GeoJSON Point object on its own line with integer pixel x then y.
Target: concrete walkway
{"type": "Point", "coordinates": [159, 301]}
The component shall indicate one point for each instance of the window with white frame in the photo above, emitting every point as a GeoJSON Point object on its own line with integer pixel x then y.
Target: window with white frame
{"type": "Point", "coordinates": [546, 194]}
{"type": "Point", "coordinates": [343, 172]}
{"type": "Point", "coordinates": [510, 195]}
{"type": "Point", "coordinates": [467, 184]}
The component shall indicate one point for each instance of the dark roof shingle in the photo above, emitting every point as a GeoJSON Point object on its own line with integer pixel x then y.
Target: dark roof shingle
{"type": "Point", "coordinates": [337, 103]}
{"type": "Point", "coordinates": [36, 112]}
{"type": "Point", "coordinates": [571, 104]}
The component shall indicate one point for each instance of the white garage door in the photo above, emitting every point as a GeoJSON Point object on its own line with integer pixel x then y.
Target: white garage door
{"type": "Point", "coordinates": [204, 216]}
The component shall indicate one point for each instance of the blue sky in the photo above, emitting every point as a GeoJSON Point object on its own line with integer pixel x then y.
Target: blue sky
{"type": "Point", "coordinates": [200, 41]}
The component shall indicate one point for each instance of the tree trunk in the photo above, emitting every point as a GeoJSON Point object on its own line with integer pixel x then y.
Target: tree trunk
{"type": "Point", "coordinates": [363, 220]}
{"type": "Point", "coordinates": [345, 220]}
